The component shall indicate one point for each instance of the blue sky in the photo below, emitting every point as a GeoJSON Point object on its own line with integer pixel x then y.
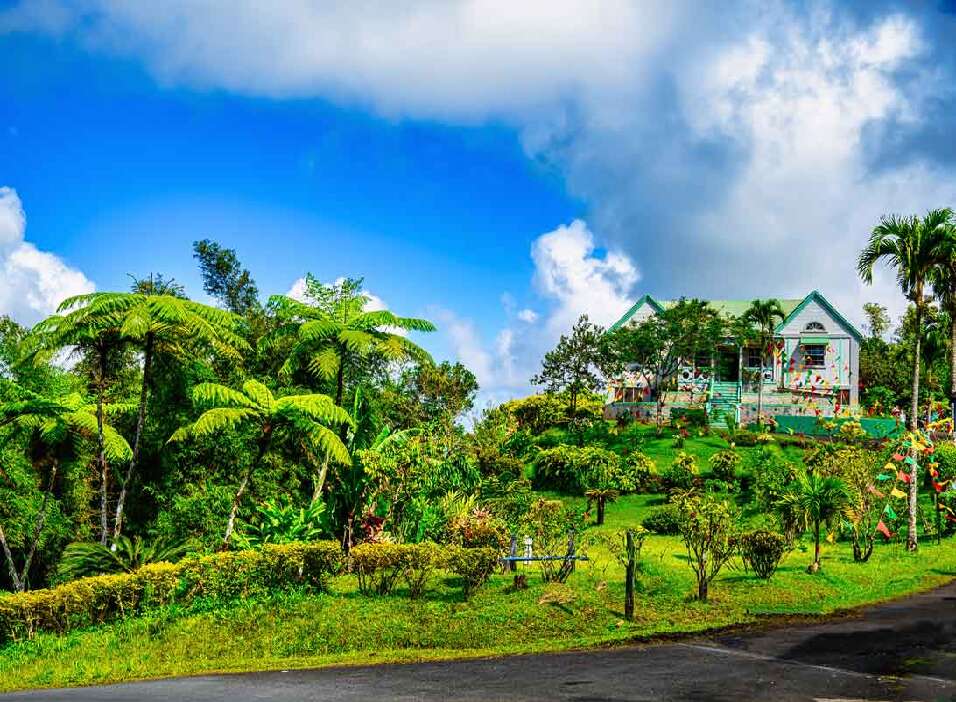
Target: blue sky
{"type": "Point", "coordinates": [501, 168]}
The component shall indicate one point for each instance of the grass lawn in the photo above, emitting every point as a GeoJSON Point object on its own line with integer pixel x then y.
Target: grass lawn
{"type": "Point", "coordinates": [345, 627]}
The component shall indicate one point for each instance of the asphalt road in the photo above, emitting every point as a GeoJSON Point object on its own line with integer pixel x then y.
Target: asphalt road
{"type": "Point", "coordinates": [905, 650]}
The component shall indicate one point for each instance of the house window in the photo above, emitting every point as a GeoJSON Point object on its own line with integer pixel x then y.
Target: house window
{"type": "Point", "coordinates": [814, 355]}
{"type": "Point", "coordinates": [752, 357]}
{"type": "Point", "coordinates": [814, 327]}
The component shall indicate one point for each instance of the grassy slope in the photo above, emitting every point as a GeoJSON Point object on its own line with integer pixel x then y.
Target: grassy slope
{"type": "Point", "coordinates": [343, 627]}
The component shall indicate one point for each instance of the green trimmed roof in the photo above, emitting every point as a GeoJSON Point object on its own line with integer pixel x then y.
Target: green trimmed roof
{"type": "Point", "coordinates": [735, 308]}
{"type": "Point", "coordinates": [729, 308]}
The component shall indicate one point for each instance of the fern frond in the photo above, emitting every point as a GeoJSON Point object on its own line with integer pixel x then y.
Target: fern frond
{"type": "Point", "coordinates": [216, 395]}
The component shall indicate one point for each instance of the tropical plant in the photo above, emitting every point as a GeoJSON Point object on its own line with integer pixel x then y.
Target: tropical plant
{"type": "Point", "coordinates": [681, 473]}
{"type": "Point", "coordinates": [818, 499]}
{"type": "Point", "coordinates": [124, 555]}
{"type": "Point", "coordinates": [155, 321]}
{"type": "Point", "coordinates": [723, 465]}
{"type": "Point", "coordinates": [334, 330]}
{"type": "Point", "coordinates": [763, 316]}
{"type": "Point", "coordinates": [302, 418]}
{"type": "Point", "coordinates": [277, 523]}
{"type": "Point", "coordinates": [61, 425]}
{"type": "Point", "coordinates": [914, 247]}
{"type": "Point", "coordinates": [858, 470]}
{"type": "Point", "coordinates": [943, 279]}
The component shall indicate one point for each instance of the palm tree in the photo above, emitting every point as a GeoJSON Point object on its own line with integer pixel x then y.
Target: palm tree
{"type": "Point", "coordinates": [97, 339]}
{"type": "Point", "coordinates": [61, 425]}
{"type": "Point", "coordinates": [156, 320]}
{"type": "Point", "coordinates": [763, 316]}
{"type": "Point", "coordinates": [336, 332]}
{"type": "Point", "coordinates": [124, 556]}
{"type": "Point", "coordinates": [302, 417]}
{"type": "Point", "coordinates": [914, 247]}
{"type": "Point", "coordinates": [818, 499]}
{"type": "Point", "coordinates": [943, 279]}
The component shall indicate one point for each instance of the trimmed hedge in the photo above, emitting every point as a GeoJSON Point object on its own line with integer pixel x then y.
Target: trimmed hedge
{"type": "Point", "coordinates": [381, 566]}
{"type": "Point", "coordinates": [227, 576]}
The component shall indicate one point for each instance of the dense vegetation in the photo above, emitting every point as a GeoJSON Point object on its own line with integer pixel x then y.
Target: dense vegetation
{"type": "Point", "coordinates": [159, 456]}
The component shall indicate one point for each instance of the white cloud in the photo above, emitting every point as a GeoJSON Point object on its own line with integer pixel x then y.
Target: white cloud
{"type": "Point", "coordinates": [569, 271]}
{"type": "Point", "coordinates": [528, 315]}
{"type": "Point", "coordinates": [32, 282]}
{"type": "Point", "coordinates": [462, 58]}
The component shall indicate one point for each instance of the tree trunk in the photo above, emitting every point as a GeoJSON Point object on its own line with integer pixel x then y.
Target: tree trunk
{"type": "Point", "coordinates": [702, 587]}
{"type": "Point", "coordinates": [629, 577]}
{"type": "Point", "coordinates": [140, 424]}
{"type": "Point", "coordinates": [816, 544]}
{"type": "Point", "coordinates": [231, 524]}
{"type": "Point", "coordinates": [101, 452]}
{"type": "Point", "coordinates": [38, 526]}
{"type": "Point", "coordinates": [600, 509]}
{"type": "Point", "coordinates": [911, 540]}
{"type": "Point", "coordinates": [320, 481]}
{"type": "Point", "coordinates": [760, 394]}
{"type": "Point", "coordinates": [11, 567]}
{"type": "Point", "coordinates": [952, 369]}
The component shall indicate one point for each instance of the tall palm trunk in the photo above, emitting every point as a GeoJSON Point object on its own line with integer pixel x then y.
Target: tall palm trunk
{"type": "Point", "coordinates": [244, 483]}
{"type": "Point", "coordinates": [101, 451]}
{"type": "Point", "coordinates": [911, 541]}
{"type": "Point", "coordinates": [140, 425]}
{"type": "Point", "coordinates": [760, 394]}
{"type": "Point", "coordinates": [816, 545]}
{"type": "Point", "coordinates": [952, 366]}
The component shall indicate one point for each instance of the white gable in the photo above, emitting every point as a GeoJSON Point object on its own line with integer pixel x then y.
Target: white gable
{"type": "Point", "coordinates": [814, 318]}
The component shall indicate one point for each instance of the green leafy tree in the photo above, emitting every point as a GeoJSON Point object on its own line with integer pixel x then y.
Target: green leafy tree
{"type": "Point", "coordinates": [877, 319]}
{"type": "Point", "coordinates": [818, 498]}
{"type": "Point", "coordinates": [763, 316]}
{"type": "Point", "coordinates": [61, 425]}
{"type": "Point", "coordinates": [293, 417]}
{"type": "Point", "coordinates": [225, 279]}
{"type": "Point", "coordinates": [574, 364]}
{"type": "Point", "coordinates": [332, 333]}
{"type": "Point", "coordinates": [708, 528]}
{"type": "Point", "coordinates": [913, 246]}
{"type": "Point", "coordinates": [943, 279]}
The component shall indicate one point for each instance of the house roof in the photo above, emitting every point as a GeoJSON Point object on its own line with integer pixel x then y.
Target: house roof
{"type": "Point", "coordinates": [734, 308]}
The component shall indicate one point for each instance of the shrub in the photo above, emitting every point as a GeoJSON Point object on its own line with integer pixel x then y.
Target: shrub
{"type": "Point", "coordinates": [105, 598]}
{"type": "Point", "coordinates": [474, 566]}
{"type": "Point", "coordinates": [723, 465]}
{"type": "Point", "coordinates": [573, 469]}
{"type": "Point", "coordinates": [690, 416]}
{"type": "Point", "coordinates": [681, 473]}
{"type": "Point", "coordinates": [638, 473]}
{"type": "Point", "coordinates": [479, 529]}
{"type": "Point", "coordinates": [379, 566]}
{"type": "Point", "coordinates": [744, 437]}
{"type": "Point", "coordinates": [550, 524]}
{"type": "Point", "coordinates": [663, 520]}
{"type": "Point", "coordinates": [761, 551]}
{"type": "Point", "coordinates": [81, 559]}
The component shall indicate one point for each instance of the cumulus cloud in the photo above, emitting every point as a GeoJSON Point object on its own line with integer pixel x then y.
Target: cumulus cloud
{"type": "Point", "coordinates": [461, 58]}
{"type": "Point", "coordinates": [32, 282]}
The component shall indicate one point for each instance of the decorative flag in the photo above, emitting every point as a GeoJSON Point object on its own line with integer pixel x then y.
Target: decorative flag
{"type": "Point", "coordinates": [883, 476]}
{"type": "Point", "coordinates": [897, 457]}
{"type": "Point", "coordinates": [875, 491]}
{"type": "Point", "coordinates": [905, 477]}
{"type": "Point", "coordinates": [831, 537]}
{"type": "Point", "coordinates": [888, 511]}
{"type": "Point", "coordinates": [881, 527]}
{"type": "Point", "coordinates": [895, 492]}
